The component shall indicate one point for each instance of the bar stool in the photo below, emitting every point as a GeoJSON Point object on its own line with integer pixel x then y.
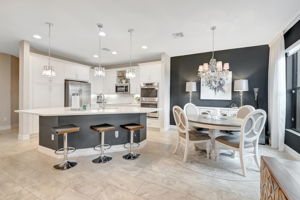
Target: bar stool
{"type": "Point", "coordinates": [65, 130]}
{"type": "Point", "coordinates": [131, 127]}
{"type": "Point", "coordinates": [102, 128]}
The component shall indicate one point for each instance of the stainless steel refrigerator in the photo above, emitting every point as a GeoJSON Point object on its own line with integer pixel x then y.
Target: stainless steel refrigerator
{"type": "Point", "coordinates": [80, 88]}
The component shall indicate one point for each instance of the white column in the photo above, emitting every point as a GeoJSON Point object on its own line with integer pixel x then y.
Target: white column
{"type": "Point", "coordinates": [164, 93]}
{"type": "Point", "coordinates": [24, 89]}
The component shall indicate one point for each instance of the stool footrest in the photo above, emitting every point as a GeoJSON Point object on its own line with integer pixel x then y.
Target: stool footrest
{"type": "Point", "coordinates": [61, 150]}
{"type": "Point", "coordinates": [134, 145]}
{"type": "Point", "coordinates": [105, 146]}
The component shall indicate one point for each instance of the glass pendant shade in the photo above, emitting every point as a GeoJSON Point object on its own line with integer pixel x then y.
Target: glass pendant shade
{"type": "Point", "coordinates": [130, 73]}
{"type": "Point", "coordinates": [48, 70]}
{"type": "Point", "coordinates": [99, 71]}
{"type": "Point", "coordinates": [214, 69]}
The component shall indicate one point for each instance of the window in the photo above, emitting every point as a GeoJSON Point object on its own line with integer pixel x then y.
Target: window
{"type": "Point", "coordinates": [293, 91]}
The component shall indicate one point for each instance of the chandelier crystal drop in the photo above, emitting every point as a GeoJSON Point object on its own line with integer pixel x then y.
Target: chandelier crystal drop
{"type": "Point", "coordinates": [48, 70]}
{"type": "Point", "coordinates": [99, 71]}
{"type": "Point", "coordinates": [130, 73]}
{"type": "Point", "coordinates": [214, 71]}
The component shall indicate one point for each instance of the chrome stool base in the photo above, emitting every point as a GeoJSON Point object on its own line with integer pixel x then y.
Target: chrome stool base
{"type": "Point", "coordinates": [65, 165]}
{"type": "Point", "coordinates": [102, 159]}
{"type": "Point", "coordinates": [131, 156]}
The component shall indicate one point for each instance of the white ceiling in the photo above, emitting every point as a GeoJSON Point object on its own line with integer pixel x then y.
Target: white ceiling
{"type": "Point", "coordinates": [240, 23]}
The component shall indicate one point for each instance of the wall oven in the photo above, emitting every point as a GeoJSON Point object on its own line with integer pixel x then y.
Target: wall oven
{"type": "Point", "coordinates": [123, 88]}
{"type": "Point", "coordinates": [149, 97]}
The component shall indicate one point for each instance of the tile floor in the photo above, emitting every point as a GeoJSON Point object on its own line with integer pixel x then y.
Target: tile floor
{"type": "Point", "coordinates": [26, 174]}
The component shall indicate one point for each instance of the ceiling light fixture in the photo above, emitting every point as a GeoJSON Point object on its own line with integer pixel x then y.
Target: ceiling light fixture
{"type": "Point", "coordinates": [99, 70]}
{"type": "Point", "coordinates": [213, 73]}
{"type": "Point", "coordinates": [144, 47]}
{"type": "Point", "coordinates": [36, 36]}
{"type": "Point", "coordinates": [130, 73]}
{"type": "Point", "coordinates": [48, 69]}
{"type": "Point", "coordinates": [114, 52]}
{"type": "Point", "coordinates": [95, 56]}
{"type": "Point", "coordinates": [101, 32]}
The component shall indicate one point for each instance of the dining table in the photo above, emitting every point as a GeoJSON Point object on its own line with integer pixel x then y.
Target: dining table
{"type": "Point", "coordinates": [215, 125]}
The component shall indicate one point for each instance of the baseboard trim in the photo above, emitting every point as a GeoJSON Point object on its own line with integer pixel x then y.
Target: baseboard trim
{"type": "Point", "coordinates": [291, 151]}
{"type": "Point", "coordinates": [86, 151]}
{"type": "Point", "coordinates": [23, 137]}
{"type": "Point", "coordinates": [5, 127]}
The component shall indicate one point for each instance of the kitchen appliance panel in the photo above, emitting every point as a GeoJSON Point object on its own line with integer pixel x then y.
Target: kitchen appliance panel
{"type": "Point", "coordinates": [83, 89]}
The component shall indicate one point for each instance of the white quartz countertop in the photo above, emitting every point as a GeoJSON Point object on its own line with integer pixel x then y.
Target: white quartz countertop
{"type": "Point", "coordinates": [62, 111]}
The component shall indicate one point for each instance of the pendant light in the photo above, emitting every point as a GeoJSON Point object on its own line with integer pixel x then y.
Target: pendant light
{"type": "Point", "coordinates": [99, 71]}
{"type": "Point", "coordinates": [48, 70]}
{"type": "Point", "coordinates": [130, 73]}
{"type": "Point", "coordinates": [214, 70]}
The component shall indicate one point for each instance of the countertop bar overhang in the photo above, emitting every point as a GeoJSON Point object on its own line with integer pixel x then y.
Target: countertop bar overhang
{"type": "Point", "coordinates": [87, 138]}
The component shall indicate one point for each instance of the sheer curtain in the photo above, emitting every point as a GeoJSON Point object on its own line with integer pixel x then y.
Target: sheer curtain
{"type": "Point", "coordinates": [277, 92]}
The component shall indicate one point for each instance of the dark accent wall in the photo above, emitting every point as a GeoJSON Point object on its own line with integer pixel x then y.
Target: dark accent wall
{"type": "Point", "coordinates": [292, 35]}
{"type": "Point", "coordinates": [245, 63]}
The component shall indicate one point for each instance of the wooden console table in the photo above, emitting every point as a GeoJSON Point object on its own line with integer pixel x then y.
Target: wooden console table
{"type": "Point", "coordinates": [279, 179]}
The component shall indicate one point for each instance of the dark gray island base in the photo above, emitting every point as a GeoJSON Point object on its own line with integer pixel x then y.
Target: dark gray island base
{"type": "Point", "coordinates": [88, 138]}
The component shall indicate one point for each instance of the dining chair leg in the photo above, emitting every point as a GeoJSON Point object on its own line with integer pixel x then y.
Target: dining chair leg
{"type": "Point", "coordinates": [177, 145]}
{"type": "Point", "coordinates": [233, 154]}
{"type": "Point", "coordinates": [207, 149]}
{"type": "Point", "coordinates": [256, 155]}
{"type": "Point", "coordinates": [241, 154]}
{"type": "Point", "coordinates": [186, 151]}
{"type": "Point", "coordinates": [217, 152]}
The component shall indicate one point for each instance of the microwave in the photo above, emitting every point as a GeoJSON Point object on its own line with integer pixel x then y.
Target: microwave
{"type": "Point", "coordinates": [123, 88]}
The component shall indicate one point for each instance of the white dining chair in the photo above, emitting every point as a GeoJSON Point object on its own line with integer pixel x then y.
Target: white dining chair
{"type": "Point", "coordinates": [244, 111]}
{"type": "Point", "coordinates": [191, 109]}
{"type": "Point", "coordinates": [186, 136]}
{"type": "Point", "coordinates": [251, 129]}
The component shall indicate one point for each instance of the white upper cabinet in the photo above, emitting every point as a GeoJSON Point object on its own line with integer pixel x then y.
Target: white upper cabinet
{"type": "Point", "coordinates": [150, 72]}
{"type": "Point", "coordinates": [78, 72]}
{"type": "Point", "coordinates": [96, 83]}
{"type": "Point", "coordinates": [109, 82]}
{"type": "Point", "coordinates": [135, 82]}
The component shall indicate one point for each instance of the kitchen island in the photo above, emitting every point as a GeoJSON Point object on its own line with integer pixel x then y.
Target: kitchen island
{"type": "Point", "coordinates": [86, 139]}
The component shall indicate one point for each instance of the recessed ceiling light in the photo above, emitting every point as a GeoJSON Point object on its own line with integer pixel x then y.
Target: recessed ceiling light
{"type": "Point", "coordinates": [38, 37]}
{"type": "Point", "coordinates": [114, 52]}
{"type": "Point", "coordinates": [144, 47]}
{"type": "Point", "coordinates": [95, 56]}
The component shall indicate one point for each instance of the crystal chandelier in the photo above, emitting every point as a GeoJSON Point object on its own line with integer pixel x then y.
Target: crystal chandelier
{"type": "Point", "coordinates": [130, 73]}
{"type": "Point", "coordinates": [48, 70]}
{"type": "Point", "coordinates": [99, 70]}
{"type": "Point", "coordinates": [213, 72]}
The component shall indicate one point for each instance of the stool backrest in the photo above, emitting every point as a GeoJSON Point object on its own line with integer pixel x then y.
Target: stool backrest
{"type": "Point", "coordinates": [191, 109]}
{"type": "Point", "coordinates": [244, 111]}
{"type": "Point", "coordinates": [181, 119]}
{"type": "Point", "coordinates": [253, 125]}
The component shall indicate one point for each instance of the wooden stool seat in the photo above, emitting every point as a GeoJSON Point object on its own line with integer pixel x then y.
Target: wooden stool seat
{"type": "Point", "coordinates": [103, 127]}
{"type": "Point", "coordinates": [69, 128]}
{"type": "Point", "coordinates": [132, 126]}
{"type": "Point", "coordinates": [65, 130]}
